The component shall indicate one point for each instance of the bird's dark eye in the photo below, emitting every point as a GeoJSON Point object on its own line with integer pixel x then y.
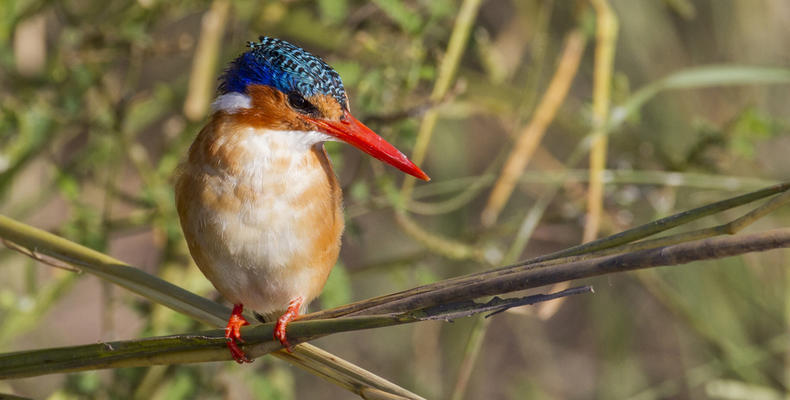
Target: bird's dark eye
{"type": "Point", "coordinates": [300, 104]}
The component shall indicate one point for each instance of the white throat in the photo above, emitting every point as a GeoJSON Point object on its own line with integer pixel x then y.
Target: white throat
{"type": "Point", "coordinates": [297, 141]}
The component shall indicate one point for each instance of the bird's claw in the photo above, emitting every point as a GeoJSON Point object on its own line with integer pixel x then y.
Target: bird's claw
{"type": "Point", "coordinates": [233, 334]}
{"type": "Point", "coordinates": [279, 334]}
{"type": "Point", "coordinates": [237, 353]}
{"type": "Point", "coordinates": [282, 322]}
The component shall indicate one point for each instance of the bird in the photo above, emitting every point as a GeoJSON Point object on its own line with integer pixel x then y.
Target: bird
{"type": "Point", "coordinates": [258, 201]}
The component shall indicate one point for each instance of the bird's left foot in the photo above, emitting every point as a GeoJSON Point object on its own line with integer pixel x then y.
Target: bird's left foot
{"type": "Point", "coordinates": [291, 314]}
{"type": "Point", "coordinates": [233, 334]}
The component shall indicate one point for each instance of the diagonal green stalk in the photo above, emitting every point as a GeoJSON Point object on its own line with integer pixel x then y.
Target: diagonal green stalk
{"type": "Point", "coordinates": [56, 250]}
{"type": "Point", "coordinates": [211, 345]}
{"type": "Point", "coordinates": [177, 349]}
{"type": "Point", "coordinates": [45, 245]}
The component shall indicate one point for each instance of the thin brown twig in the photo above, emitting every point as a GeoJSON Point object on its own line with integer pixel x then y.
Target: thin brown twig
{"type": "Point", "coordinates": [42, 258]}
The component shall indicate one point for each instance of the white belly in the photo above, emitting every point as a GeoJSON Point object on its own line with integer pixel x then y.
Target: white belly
{"type": "Point", "coordinates": [257, 231]}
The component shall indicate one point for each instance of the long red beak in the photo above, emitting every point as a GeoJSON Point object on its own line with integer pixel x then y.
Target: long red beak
{"type": "Point", "coordinates": [351, 131]}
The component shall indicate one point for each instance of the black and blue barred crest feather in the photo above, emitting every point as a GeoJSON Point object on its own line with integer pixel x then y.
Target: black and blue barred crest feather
{"type": "Point", "coordinates": [277, 63]}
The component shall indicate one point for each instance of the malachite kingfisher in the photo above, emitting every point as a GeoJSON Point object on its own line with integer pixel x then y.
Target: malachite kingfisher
{"type": "Point", "coordinates": [258, 201]}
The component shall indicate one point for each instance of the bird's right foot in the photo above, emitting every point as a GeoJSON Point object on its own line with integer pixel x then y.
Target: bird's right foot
{"type": "Point", "coordinates": [233, 334]}
{"type": "Point", "coordinates": [279, 328]}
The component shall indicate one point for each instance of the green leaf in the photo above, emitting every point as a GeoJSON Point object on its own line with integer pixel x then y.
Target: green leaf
{"type": "Point", "coordinates": [749, 129]}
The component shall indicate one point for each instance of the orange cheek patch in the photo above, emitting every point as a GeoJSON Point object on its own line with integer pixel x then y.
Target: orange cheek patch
{"type": "Point", "coordinates": [327, 105]}
{"type": "Point", "coordinates": [270, 110]}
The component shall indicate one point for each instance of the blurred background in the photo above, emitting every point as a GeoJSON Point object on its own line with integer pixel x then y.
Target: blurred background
{"type": "Point", "coordinates": [99, 101]}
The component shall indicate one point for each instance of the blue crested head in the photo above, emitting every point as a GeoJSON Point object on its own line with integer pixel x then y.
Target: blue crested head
{"type": "Point", "coordinates": [288, 68]}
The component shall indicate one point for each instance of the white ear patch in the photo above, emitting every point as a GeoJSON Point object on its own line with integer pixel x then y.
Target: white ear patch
{"type": "Point", "coordinates": [231, 102]}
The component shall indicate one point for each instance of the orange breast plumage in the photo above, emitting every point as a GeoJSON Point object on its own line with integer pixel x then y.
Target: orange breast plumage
{"type": "Point", "coordinates": [261, 211]}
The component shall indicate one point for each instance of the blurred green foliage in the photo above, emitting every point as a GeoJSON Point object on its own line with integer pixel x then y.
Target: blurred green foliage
{"type": "Point", "coordinates": [92, 129]}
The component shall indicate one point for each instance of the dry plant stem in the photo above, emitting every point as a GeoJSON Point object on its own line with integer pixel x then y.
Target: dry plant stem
{"type": "Point", "coordinates": [532, 134]}
{"type": "Point", "coordinates": [380, 304]}
{"type": "Point", "coordinates": [605, 36]}
{"type": "Point", "coordinates": [202, 78]}
{"type": "Point", "coordinates": [728, 228]}
{"type": "Point", "coordinates": [45, 247]}
{"type": "Point", "coordinates": [531, 276]}
{"type": "Point", "coordinates": [662, 224]}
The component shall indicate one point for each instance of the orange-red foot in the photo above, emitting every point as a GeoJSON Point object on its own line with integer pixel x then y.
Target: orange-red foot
{"type": "Point", "coordinates": [290, 314]}
{"type": "Point", "coordinates": [233, 334]}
